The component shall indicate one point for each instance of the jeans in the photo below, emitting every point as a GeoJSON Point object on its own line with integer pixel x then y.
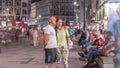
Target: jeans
{"type": "Point", "coordinates": [117, 57]}
{"type": "Point", "coordinates": [91, 55]}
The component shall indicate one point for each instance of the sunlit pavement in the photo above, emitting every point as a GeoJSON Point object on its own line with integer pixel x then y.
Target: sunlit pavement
{"type": "Point", "coordinates": [22, 55]}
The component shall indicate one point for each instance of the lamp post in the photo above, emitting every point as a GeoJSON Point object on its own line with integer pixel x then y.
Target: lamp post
{"type": "Point", "coordinates": [84, 24]}
{"type": "Point", "coordinates": [38, 18]}
{"type": "Point", "coordinates": [77, 11]}
{"type": "Point", "coordinates": [7, 14]}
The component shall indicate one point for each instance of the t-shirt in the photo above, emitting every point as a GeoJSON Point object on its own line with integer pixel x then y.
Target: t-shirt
{"type": "Point", "coordinates": [94, 27]}
{"type": "Point", "coordinates": [61, 37]}
{"type": "Point", "coordinates": [52, 43]}
{"type": "Point", "coordinates": [116, 28]}
{"type": "Point", "coordinates": [70, 31]}
{"type": "Point", "coordinates": [35, 33]}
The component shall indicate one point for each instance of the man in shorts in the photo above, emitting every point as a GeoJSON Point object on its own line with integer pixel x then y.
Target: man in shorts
{"type": "Point", "coordinates": [50, 43]}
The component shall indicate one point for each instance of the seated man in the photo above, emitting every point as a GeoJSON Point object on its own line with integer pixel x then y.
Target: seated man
{"type": "Point", "coordinates": [109, 48]}
{"type": "Point", "coordinates": [96, 41]}
{"type": "Point", "coordinates": [104, 50]}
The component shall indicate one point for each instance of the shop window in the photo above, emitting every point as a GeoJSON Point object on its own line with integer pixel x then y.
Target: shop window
{"type": "Point", "coordinates": [18, 18]}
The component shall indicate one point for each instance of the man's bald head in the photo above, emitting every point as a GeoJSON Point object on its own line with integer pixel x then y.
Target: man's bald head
{"type": "Point", "coordinates": [52, 20]}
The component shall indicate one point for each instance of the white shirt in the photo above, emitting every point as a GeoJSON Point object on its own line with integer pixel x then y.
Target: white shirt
{"type": "Point", "coordinates": [94, 27]}
{"type": "Point", "coordinates": [35, 33]}
{"type": "Point", "coordinates": [52, 42]}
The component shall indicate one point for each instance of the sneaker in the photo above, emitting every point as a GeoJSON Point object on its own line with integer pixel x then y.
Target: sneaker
{"type": "Point", "coordinates": [86, 66]}
{"type": "Point", "coordinates": [81, 54]}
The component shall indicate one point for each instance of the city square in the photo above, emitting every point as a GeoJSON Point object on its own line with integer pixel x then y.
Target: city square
{"type": "Point", "coordinates": [59, 33]}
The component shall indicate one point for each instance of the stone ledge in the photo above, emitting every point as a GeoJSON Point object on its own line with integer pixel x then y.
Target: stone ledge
{"type": "Point", "coordinates": [106, 62]}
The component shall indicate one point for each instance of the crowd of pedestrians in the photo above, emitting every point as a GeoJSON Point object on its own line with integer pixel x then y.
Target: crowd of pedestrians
{"type": "Point", "coordinates": [95, 43]}
{"type": "Point", "coordinates": [9, 35]}
{"type": "Point", "coordinates": [56, 40]}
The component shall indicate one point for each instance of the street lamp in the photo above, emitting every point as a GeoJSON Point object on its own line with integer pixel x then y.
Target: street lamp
{"type": "Point", "coordinates": [75, 3]}
{"type": "Point", "coordinates": [7, 9]}
{"type": "Point", "coordinates": [84, 24]}
{"type": "Point", "coordinates": [77, 11]}
{"type": "Point", "coordinates": [40, 16]}
{"type": "Point", "coordinates": [7, 14]}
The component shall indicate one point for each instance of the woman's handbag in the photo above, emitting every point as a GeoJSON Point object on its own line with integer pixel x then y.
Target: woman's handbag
{"type": "Point", "coordinates": [71, 45]}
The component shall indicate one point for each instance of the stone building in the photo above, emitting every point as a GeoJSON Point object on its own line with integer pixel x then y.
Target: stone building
{"type": "Point", "coordinates": [14, 10]}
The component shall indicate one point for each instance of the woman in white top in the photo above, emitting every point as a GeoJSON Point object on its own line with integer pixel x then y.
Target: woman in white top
{"type": "Point", "coordinates": [35, 36]}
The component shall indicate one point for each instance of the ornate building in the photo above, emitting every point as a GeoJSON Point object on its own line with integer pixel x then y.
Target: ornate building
{"type": "Point", "coordinates": [14, 10]}
{"type": "Point", "coordinates": [60, 8]}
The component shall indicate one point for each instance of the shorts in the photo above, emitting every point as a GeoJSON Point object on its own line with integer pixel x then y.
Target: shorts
{"type": "Point", "coordinates": [50, 55]}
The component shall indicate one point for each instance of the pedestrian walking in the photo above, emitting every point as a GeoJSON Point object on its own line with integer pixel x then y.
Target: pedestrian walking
{"type": "Point", "coordinates": [17, 33]}
{"type": "Point", "coordinates": [35, 36]}
{"type": "Point", "coordinates": [63, 40]}
{"type": "Point", "coordinates": [116, 33]}
{"type": "Point", "coordinates": [31, 35]}
{"type": "Point", "coordinates": [50, 43]}
{"type": "Point", "coordinates": [70, 30]}
{"type": "Point", "coordinates": [28, 33]}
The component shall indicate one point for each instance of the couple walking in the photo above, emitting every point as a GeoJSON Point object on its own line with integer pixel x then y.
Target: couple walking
{"type": "Point", "coordinates": [56, 43]}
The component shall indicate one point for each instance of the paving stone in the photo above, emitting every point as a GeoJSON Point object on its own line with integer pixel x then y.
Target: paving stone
{"type": "Point", "coordinates": [25, 56]}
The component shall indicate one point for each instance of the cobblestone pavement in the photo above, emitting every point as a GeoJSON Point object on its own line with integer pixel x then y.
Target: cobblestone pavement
{"type": "Point", "coordinates": [22, 55]}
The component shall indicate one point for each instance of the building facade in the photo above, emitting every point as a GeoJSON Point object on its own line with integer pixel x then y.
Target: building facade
{"type": "Point", "coordinates": [14, 10]}
{"type": "Point", "coordinates": [34, 10]}
{"type": "Point", "coordinates": [60, 8]}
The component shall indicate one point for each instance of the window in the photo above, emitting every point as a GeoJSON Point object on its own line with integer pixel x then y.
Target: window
{"type": "Point", "coordinates": [24, 4]}
{"type": "Point", "coordinates": [3, 10]}
{"type": "Point", "coordinates": [10, 11]}
{"type": "Point", "coordinates": [4, 18]}
{"type": "Point", "coordinates": [0, 10]}
{"type": "Point", "coordinates": [9, 3]}
{"type": "Point", "coordinates": [17, 11]}
{"type": "Point", "coordinates": [0, 2]}
{"type": "Point", "coordinates": [24, 12]}
{"type": "Point", "coordinates": [3, 3]}
{"type": "Point", "coordinates": [18, 18]}
{"type": "Point", "coordinates": [17, 3]}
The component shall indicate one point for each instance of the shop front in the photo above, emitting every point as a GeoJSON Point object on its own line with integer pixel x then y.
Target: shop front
{"type": "Point", "coordinates": [106, 12]}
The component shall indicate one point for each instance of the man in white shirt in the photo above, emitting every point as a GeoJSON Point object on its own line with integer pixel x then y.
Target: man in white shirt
{"type": "Point", "coordinates": [50, 43]}
{"type": "Point", "coordinates": [93, 26]}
